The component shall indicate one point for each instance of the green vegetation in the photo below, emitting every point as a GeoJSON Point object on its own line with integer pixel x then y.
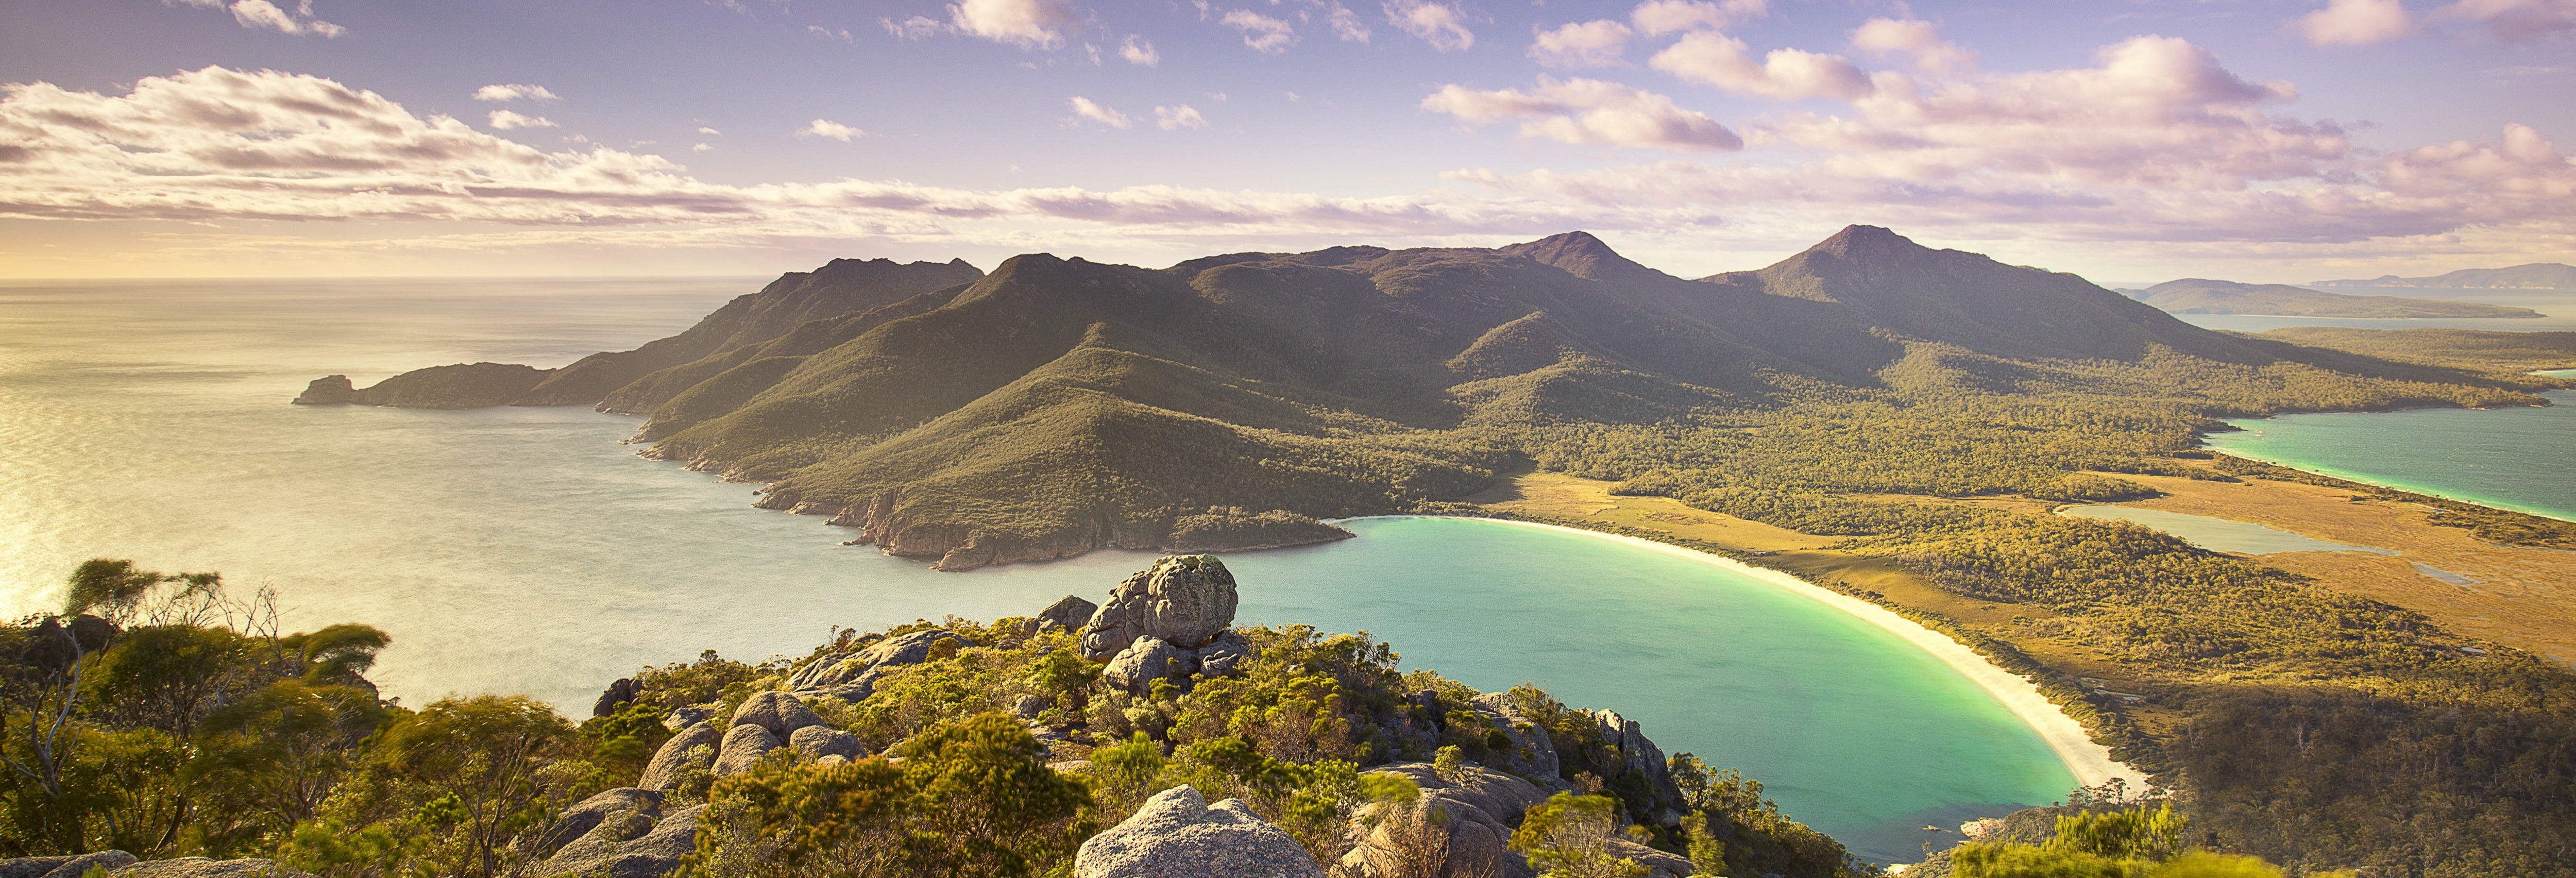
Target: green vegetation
{"type": "Point", "coordinates": [2498, 352]}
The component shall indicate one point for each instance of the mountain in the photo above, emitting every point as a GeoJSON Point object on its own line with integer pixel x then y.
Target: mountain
{"type": "Point", "coordinates": [2199, 296]}
{"type": "Point", "coordinates": [1059, 405]}
{"type": "Point", "coordinates": [2534, 276]}
{"type": "Point", "coordinates": [841, 287]}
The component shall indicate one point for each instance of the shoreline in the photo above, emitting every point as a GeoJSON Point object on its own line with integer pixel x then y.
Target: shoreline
{"type": "Point", "coordinates": [2091, 763]}
{"type": "Point", "coordinates": [2386, 483]}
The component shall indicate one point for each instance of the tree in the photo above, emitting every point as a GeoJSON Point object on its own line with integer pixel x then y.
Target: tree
{"type": "Point", "coordinates": [482, 754]}
{"type": "Point", "coordinates": [1568, 836]}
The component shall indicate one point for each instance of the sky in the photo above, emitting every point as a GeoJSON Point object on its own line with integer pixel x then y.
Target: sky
{"type": "Point", "coordinates": [2255, 140]}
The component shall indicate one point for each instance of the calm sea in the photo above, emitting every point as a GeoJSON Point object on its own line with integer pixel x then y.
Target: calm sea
{"type": "Point", "coordinates": [527, 550]}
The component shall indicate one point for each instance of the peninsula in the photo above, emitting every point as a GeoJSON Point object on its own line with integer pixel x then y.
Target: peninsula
{"type": "Point", "coordinates": [2199, 296]}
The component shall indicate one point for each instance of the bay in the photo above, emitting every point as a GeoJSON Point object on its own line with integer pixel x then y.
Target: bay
{"type": "Point", "coordinates": [526, 550]}
{"type": "Point", "coordinates": [2520, 458]}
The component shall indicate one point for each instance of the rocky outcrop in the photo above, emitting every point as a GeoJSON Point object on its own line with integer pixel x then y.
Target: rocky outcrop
{"type": "Point", "coordinates": [780, 713]}
{"type": "Point", "coordinates": [63, 867]}
{"type": "Point", "coordinates": [744, 745]}
{"type": "Point", "coordinates": [682, 754]}
{"type": "Point", "coordinates": [330, 390]}
{"type": "Point", "coordinates": [1183, 600]}
{"type": "Point", "coordinates": [614, 698]}
{"type": "Point", "coordinates": [1478, 809]}
{"type": "Point", "coordinates": [817, 742]}
{"type": "Point", "coordinates": [851, 674]}
{"type": "Point", "coordinates": [621, 833]}
{"type": "Point", "coordinates": [201, 867]}
{"type": "Point", "coordinates": [1532, 753]}
{"type": "Point", "coordinates": [1641, 759]}
{"type": "Point", "coordinates": [1146, 660]}
{"type": "Point", "coordinates": [1177, 834]}
{"type": "Point", "coordinates": [1067, 613]}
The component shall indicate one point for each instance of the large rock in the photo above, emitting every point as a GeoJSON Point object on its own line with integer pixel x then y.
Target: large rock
{"type": "Point", "coordinates": [615, 698]}
{"type": "Point", "coordinates": [816, 742]}
{"type": "Point", "coordinates": [1069, 613]}
{"type": "Point", "coordinates": [630, 844]}
{"type": "Point", "coordinates": [1479, 808]}
{"type": "Point", "coordinates": [1221, 657]}
{"type": "Point", "coordinates": [1643, 758]}
{"type": "Point", "coordinates": [674, 759]}
{"type": "Point", "coordinates": [1178, 835]}
{"type": "Point", "coordinates": [1144, 661]}
{"type": "Point", "coordinates": [782, 714]}
{"type": "Point", "coordinates": [744, 745]}
{"type": "Point", "coordinates": [1184, 600]}
{"type": "Point", "coordinates": [609, 805]}
{"type": "Point", "coordinates": [1532, 753]}
{"type": "Point", "coordinates": [851, 676]}
{"type": "Point", "coordinates": [200, 867]}
{"type": "Point", "coordinates": [63, 867]}
{"type": "Point", "coordinates": [329, 390]}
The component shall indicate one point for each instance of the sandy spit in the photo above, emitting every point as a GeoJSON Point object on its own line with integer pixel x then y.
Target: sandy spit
{"type": "Point", "coordinates": [2091, 763]}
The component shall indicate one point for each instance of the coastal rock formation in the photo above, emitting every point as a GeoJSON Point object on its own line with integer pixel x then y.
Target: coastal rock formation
{"type": "Point", "coordinates": [744, 745]}
{"type": "Point", "coordinates": [1220, 656]}
{"type": "Point", "coordinates": [818, 741]}
{"type": "Point", "coordinates": [850, 673]}
{"type": "Point", "coordinates": [620, 833]}
{"type": "Point", "coordinates": [63, 867]}
{"type": "Point", "coordinates": [615, 697]}
{"type": "Point", "coordinates": [1643, 759]}
{"type": "Point", "coordinates": [693, 749]}
{"type": "Point", "coordinates": [1531, 753]}
{"type": "Point", "coordinates": [1146, 660]}
{"type": "Point", "coordinates": [201, 867]}
{"type": "Point", "coordinates": [330, 390]}
{"type": "Point", "coordinates": [1067, 613]}
{"type": "Point", "coordinates": [780, 713]}
{"type": "Point", "coordinates": [461, 386]}
{"type": "Point", "coordinates": [1479, 808]}
{"type": "Point", "coordinates": [1183, 600]}
{"type": "Point", "coordinates": [1177, 834]}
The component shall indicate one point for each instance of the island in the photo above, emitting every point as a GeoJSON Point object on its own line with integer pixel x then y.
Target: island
{"type": "Point", "coordinates": [2199, 296]}
{"type": "Point", "coordinates": [2533, 276]}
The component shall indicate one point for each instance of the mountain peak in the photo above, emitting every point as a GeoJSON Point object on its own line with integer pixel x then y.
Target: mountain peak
{"type": "Point", "coordinates": [1860, 240]}
{"type": "Point", "coordinates": [1581, 255]}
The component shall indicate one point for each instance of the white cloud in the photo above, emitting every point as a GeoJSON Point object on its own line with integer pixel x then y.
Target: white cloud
{"type": "Point", "coordinates": [914, 28]}
{"type": "Point", "coordinates": [1588, 111]}
{"type": "Point", "coordinates": [2355, 23]}
{"type": "Point", "coordinates": [1085, 108]}
{"type": "Point", "coordinates": [265, 15]}
{"type": "Point", "coordinates": [1139, 51]}
{"type": "Point", "coordinates": [831, 129]}
{"type": "Point", "coordinates": [710, 132]}
{"type": "Point", "coordinates": [1183, 116]}
{"type": "Point", "coordinates": [1440, 24]}
{"type": "Point", "coordinates": [1346, 24]}
{"type": "Point", "coordinates": [1267, 35]}
{"type": "Point", "coordinates": [1656, 18]}
{"type": "Point", "coordinates": [1601, 43]}
{"type": "Point", "coordinates": [702, 148]}
{"type": "Point", "coordinates": [507, 120]}
{"type": "Point", "coordinates": [1715, 59]}
{"type": "Point", "coordinates": [1028, 24]}
{"type": "Point", "coordinates": [829, 33]}
{"type": "Point", "coordinates": [1918, 40]}
{"type": "Point", "coordinates": [514, 92]}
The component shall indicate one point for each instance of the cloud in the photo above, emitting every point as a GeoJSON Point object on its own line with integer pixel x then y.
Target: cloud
{"type": "Point", "coordinates": [1183, 116]}
{"type": "Point", "coordinates": [1588, 111]}
{"type": "Point", "coordinates": [829, 33]}
{"type": "Point", "coordinates": [507, 120]}
{"type": "Point", "coordinates": [1028, 24]}
{"type": "Point", "coordinates": [710, 132]}
{"type": "Point", "coordinates": [702, 148]}
{"type": "Point", "coordinates": [914, 28]}
{"type": "Point", "coordinates": [2515, 21]}
{"type": "Point", "coordinates": [1139, 51]}
{"type": "Point", "coordinates": [1267, 35]}
{"type": "Point", "coordinates": [1600, 43]}
{"type": "Point", "coordinates": [1439, 24]}
{"type": "Point", "coordinates": [514, 92]}
{"type": "Point", "coordinates": [1084, 108]}
{"type": "Point", "coordinates": [265, 15]}
{"type": "Point", "coordinates": [1346, 24]}
{"type": "Point", "coordinates": [1715, 59]}
{"type": "Point", "coordinates": [1656, 18]}
{"type": "Point", "coordinates": [1918, 40]}
{"type": "Point", "coordinates": [2355, 23]}
{"type": "Point", "coordinates": [831, 129]}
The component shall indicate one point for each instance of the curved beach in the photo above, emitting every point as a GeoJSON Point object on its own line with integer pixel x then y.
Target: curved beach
{"type": "Point", "coordinates": [2091, 763]}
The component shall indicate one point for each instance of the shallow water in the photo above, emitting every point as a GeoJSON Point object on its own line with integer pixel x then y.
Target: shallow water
{"type": "Point", "coordinates": [2217, 534]}
{"type": "Point", "coordinates": [526, 550]}
{"type": "Point", "coordinates": [2514, 458]}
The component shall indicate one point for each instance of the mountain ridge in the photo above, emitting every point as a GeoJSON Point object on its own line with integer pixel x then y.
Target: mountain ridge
{"type": "Point", "coordinates": [2204, 296]}
{"type": "Point", "coordinates": [2528, 276]}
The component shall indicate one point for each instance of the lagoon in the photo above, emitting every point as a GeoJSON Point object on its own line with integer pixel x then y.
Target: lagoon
{"type": "Point", "coordinates": [527, 550]}
{"type": "Point", "coordinates": [2522, 459]}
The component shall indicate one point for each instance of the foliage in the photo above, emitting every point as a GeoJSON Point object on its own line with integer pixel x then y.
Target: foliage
{"type": "Point", "coordinates": [1568, 836]}
{"type": "Point", "coordinates": [2131, 843]}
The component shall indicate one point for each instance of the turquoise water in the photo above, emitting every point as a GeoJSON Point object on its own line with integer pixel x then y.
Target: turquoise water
{"type": "Point", "coordinates": [2515, 458]}
{"type": "Point", "coordinates": [2217, 534]}
{"type": "Point", "coordinates": [526, 550]}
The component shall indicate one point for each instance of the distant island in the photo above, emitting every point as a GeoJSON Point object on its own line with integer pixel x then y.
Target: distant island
{"type": "Point", "coordinates": [2202, 296]}
{"type": "Point", "coordinates": [2534, 276]}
